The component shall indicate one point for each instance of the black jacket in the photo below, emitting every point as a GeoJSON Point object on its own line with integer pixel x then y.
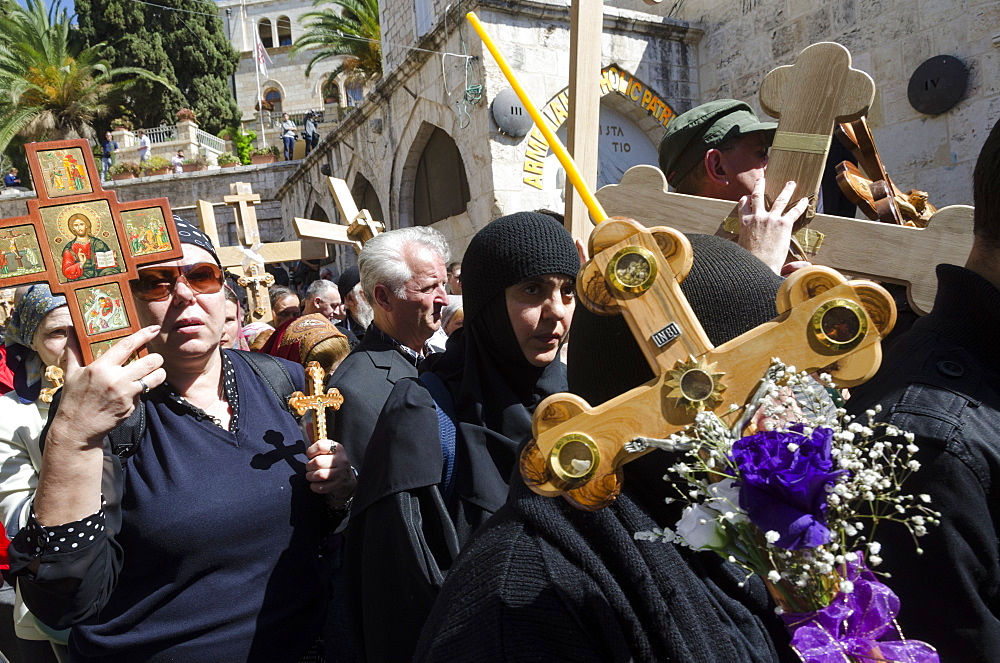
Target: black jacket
{"type": "Point", "coordinates": [365, 378]}
{"type": "Point", "coordinates": [941, 381]}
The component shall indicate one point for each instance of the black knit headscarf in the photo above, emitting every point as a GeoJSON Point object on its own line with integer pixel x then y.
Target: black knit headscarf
{"type": "Point", "coordinates": [494, 386]}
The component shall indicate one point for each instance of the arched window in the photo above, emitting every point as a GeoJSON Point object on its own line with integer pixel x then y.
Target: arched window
{"type": "Point", "coordinates": [264, 30]}
{"type": "Point", "coordinates": [367, 199]}
{"type": "Point", "coordinates": [331, 91]}
{"type": "Point", "coordinates": [272, 101]}
{"type": "Point", "coordinates": [354, 88]}
{"type": "Point", "coordinates": [284, 31]}
{"type": "Point", "coordinates": [440, 188]}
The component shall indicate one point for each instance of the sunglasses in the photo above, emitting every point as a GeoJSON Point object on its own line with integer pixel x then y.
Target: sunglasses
{"type": "Point", "coordinates": [157, 283]}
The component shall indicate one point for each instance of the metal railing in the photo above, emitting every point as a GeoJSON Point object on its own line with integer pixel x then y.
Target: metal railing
{"type": "Point", "coordinates": [210, 141]}
{"type": "Point", "coordinates": [161, 134]}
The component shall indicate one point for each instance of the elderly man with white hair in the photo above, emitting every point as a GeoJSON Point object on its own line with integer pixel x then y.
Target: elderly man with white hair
{"type": "Point", "coordinates": [403, 277]}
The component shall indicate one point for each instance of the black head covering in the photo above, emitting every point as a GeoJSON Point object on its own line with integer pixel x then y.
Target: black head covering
{"type": "Point", "coordinates": [494, 386]}
{"type": "Point", "coordinates": [191, 234]}
{"type": "Point", "coordinates": [349, 278]}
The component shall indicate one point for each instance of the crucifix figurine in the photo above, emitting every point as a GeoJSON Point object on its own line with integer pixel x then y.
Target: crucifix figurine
{"type": "Point", "coordinates": [316, 400]}
{"type": "Point", "coordinates": [824, 323]}
{"type": "Point", "coordinates": [259, 283]}
{"type": "Point", "coordinates": [85, 244]}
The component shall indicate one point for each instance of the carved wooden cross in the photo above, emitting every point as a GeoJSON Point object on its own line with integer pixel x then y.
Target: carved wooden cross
{"type": "Point", "coordinates": [360, 226]}
{"type": "Point", "coordinates": [316, 400]}
{"type": "Point", "coordinates": [85, 244]}
{"type": "Point", "coordinates": [824, 322]}
{"type": "Point", "coordinates": [897, 254]}
{"type": "Point", "coordinates": [249, 257]}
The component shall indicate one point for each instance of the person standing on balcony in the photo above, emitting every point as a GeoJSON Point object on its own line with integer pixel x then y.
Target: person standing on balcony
{"type": "Point", "coordinates": [110, 147]}
{"type": "Point", "coordinates": [288, 136]}
{"type": "Point", "coordinates": [309, 133]}
{"type": "Point", "coordinates": [144, 145]}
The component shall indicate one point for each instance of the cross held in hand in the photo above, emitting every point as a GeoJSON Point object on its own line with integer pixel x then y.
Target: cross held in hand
{"type": "Point", "coordinates": [316, 400]}
{"type": "Point", "coordinates": [824, 323]}
{"type": "Point", "coordinates": [85, 244]}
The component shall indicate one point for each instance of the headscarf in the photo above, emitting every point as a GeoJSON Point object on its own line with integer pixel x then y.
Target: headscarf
{"type": "Point", "coordinates": [251, 331]}
{"type": "Point", "coordinates": [494, 387]}
{"type": "Point", "coordinates": [302, 340]}
{"type": "Point", "coordinates": [191, 234]}
{"type": "Point", "coordinates": [27, 316]}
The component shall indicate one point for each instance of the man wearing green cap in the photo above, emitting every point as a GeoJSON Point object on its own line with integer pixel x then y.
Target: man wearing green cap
{"type": "Point", "coordinates": [719, 150]}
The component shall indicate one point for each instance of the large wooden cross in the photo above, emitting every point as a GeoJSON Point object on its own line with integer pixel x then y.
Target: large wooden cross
{"type": "Point", "coordinates": [862, 248]}
{"type": "Point", "coordinates": [248, 258]}
{"type": "Point", "coordinates": [824, 322]}
{"type": "Point", "coordinates": [359, 226]}
{"type": "Point", "coordinates": [317, 400]}
{"type": "Point", "coordinates": [85, 244]}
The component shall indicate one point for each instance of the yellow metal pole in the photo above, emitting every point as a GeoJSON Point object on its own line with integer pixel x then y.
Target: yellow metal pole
{"type": "Point", "coordinates": [572, 172]}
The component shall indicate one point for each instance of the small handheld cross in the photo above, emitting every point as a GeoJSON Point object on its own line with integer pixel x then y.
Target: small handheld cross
{"type": "Point", "coordinates": [316, 400]}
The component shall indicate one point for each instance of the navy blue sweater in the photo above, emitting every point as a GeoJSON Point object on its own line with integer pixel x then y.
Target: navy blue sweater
{"type": "Point", "coordinates": [216, 557]}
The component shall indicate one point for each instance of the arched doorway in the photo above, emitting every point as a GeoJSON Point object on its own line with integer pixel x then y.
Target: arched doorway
{"type": "Point", "coordinates": [366, 197]}
{"type": "Point", "coordinates": [440, 188]}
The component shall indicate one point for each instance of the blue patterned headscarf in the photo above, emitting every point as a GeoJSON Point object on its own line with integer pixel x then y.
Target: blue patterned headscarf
{"type": "Point", "coordinates": [25, 363]}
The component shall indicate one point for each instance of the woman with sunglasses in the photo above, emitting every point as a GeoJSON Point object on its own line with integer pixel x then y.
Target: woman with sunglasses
{"type": "Point", "coordinates": [201, 544]}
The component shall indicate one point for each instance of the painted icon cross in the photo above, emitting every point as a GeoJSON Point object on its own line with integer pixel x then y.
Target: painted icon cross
{"type": "Point", "coordinates": [85, 244]}
{"type": "Point", "coordinates": [316, 400]}
{"type": "Point", "coordinates": [824, 323]}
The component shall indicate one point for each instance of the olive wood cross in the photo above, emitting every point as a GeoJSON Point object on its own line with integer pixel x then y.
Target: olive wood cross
{"type": "Point", "coordinates": [824, 323]}
{"type": "Point", "coordinates": [316, 400]}
{"type": "Point", "coordinates": [869, 249]}
{"type": "Point", "coordinates": [257, 284]}
{"type": "Point", "coordinates": [360, 226]}
{"type": "Point", "coordinates": [84, 243]}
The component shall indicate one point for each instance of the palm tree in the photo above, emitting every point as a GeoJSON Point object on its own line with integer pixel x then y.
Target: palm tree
{"type": "Point", "coordinates": [54, 88]}
{"type": "Point", "coordinates": [351, 34]}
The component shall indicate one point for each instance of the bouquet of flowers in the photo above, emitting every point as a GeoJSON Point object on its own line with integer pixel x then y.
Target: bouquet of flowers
{"type": "Point", "coordinates": [797, 501]}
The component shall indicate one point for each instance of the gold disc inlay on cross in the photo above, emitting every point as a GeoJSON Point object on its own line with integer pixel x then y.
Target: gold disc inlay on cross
{"type": "Point", "coordinates": [839, 324]}
{"type": "Point", "coordinates": [696, 384]}
{"type": "Point", "coordinates": [574, 458]}
{"type": "Point", "coordinates": [632, 269]}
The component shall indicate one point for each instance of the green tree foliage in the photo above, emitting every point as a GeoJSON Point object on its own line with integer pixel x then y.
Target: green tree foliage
{"type": "Point", "coordinates": [54, 86]}
{"type": "Point", "coordinates": [345, 29]}
{"type": "Point", "coordinates": [182, 40]}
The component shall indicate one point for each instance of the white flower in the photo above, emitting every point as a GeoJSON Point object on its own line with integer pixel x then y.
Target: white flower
{"type": "Point", "coordinates": [700, 528]}
{"type": "Point", "coordinates": [925, 498]}
{"type": "Point", "coordinates": [846, 586]}
{"type": "Point", "coordinates": [774, 576]}
{"type": "Point", "coordinates": [874, 560]}
{"type": "Point", "coordinates": [874, 547]}
{"type": "Point", "coordinates": [771, 536]}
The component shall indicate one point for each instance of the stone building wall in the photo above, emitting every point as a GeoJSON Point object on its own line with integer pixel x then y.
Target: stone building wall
{"type": "Point", "coordinates": [888, 39]}
{"type": "Point", "coordinates": [383, 139]}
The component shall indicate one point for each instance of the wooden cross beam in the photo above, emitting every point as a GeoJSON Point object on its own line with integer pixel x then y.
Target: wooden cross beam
{"type": "Point", "coordinates": [824, 322]}
{"type": "Point", "coordinates": [360, 226]}
{"type": "Point", "coordinates": [809, 98]}
{"type": "Point", "coordinates": [316, 400]}
{"type": "Point", "coordinates": [85, 244]}
{"type": "Point", "coordinates": [897, 254]}
{"type": "Point", "coordinates": [247, 259]}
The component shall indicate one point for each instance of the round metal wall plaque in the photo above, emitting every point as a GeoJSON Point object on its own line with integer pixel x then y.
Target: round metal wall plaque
{"type": "Point", "coordinates": [937, 84]}
{"type": "Point", "coordinates": [510, 114]}
{"type": "Point", "coordinates": [632, 269]}
{"type": "Point", "coordinates": [839, 324]}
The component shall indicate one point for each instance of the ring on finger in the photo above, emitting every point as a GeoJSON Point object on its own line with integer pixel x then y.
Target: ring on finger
{"type": "Point", "coordinates": [145, 387]}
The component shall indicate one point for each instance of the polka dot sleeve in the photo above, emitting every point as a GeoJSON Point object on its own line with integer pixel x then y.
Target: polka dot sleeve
{"type": "Point", "coordinates": [64, 538]}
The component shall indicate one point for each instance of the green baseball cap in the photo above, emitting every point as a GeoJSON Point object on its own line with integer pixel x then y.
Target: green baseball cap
{"type": "Point", "coordinates": [703, 128]}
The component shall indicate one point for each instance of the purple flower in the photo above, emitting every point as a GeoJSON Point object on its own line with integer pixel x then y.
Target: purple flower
{"type": "Point", "coordinates": [783, 480]}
